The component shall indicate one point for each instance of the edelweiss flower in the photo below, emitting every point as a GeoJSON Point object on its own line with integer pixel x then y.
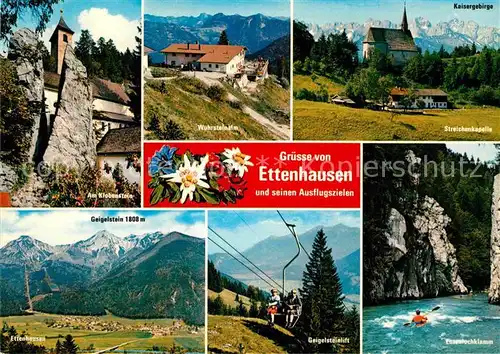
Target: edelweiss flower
{"type": "Point", "coordinates": [237, 161]}
{"type": "Point", "coordinates": [189, 176]}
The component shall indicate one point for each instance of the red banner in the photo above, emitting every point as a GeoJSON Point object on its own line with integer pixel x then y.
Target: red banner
{"type": "Point", "coordinates": [252, 175]}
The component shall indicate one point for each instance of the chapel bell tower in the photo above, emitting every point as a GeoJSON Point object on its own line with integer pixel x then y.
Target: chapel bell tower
{"type": "Point", "coordinates": [62, 36]}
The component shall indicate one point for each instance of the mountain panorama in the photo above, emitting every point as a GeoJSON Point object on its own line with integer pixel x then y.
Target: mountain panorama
{"type": "Point", "coordinates": [255, 32]}
{"type": "Point", "coordinates": [272, 253]}
{"type": "Point", "coordinates": [428, 36]}
{"type": "Point", "coordinates": [153, 275]}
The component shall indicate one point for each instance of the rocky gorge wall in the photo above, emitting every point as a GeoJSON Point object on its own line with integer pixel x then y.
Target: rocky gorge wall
{"type": "Point", "coordinates": [416, 258]}
{"type": "Point", "coordinates": [421, 261]}
{"type": "Point", "coordinates": [494, 292]}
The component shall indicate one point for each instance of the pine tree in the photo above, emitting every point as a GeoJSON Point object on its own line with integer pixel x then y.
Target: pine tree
{"type": "Point", "coordinates": [254, 310]}
{"type": "Point", "coordinates": [58, 347]}
{"type": "Point", "coordinates": [237, 298]}
{"type": "Point", "coordinates": [242, 310]}
{"type": "Point", "coordinates": [223, 40]}
{"type": "Point", "coordinates": [69, 346]}
{"type": "Point", "coordinates": [136, 73]}
{"type": "Point", "coordinates": [214, 280]}
{"type": "Point", "coordinates": [322, 300]}
{"type": "Point", "coordinates": [85, 50]}
{"type": "Point", "coordinates": [218, 306]}
{"type": "Point", "coordinates": [173, 131]}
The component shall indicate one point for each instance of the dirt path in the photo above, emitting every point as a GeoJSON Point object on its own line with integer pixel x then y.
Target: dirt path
{"type": "Point", "coordinates": [115, 347]}
{"type": "Point", "coordinates": [279, 130]}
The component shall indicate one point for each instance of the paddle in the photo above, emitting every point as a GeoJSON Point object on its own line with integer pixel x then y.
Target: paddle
{"type": "Point", "coordinates": [425, 314]}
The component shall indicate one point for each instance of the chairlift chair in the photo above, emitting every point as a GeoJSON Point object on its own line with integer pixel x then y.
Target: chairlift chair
{"type": "Point", "coordinates": [282, 308]}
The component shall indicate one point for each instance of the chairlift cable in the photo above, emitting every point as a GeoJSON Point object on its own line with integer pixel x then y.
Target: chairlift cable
{"type": "Point", "coordinates": [293, 232]}
{"type": "Point", "coordinates": [242, 255]}
{"type": "Point", "coordinates": [241, 218]}
{"type": "Point", "coordinates": [243, 264]}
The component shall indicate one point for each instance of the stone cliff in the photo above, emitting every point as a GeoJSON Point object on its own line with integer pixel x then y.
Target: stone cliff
{"type": "Point", "coordinates": [25, 54]}
{"type": "Point", "coordinates": [494, 293]}
{"type": "Point", "coordinates": [420, 261]}
{"type": "Point", "coordinates": [72, 139]}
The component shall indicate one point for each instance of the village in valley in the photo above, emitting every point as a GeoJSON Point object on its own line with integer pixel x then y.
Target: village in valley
{"type": "Point", "coordinates": [382, 81]}
{"type": "Point", "coordinates": [217, 85]}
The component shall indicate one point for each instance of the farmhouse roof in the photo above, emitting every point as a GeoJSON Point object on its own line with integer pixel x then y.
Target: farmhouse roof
{"type": "Point", "coordinates": [211, 53]}
{"type": "Point", "coordinates": [114, 117]}
{"type": "Point", "coordinates": [103, 89]}
{"type": "Point", "coordinates": [419, 92]}
{"type": "Point", "coordinates": [122, 140]}
{"type": "Point", "coordinates": [396, 39]}
{"type": "Point", "coordinates": [148, 50]}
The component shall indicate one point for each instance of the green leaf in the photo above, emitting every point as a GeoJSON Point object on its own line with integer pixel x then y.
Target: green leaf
{"type": "Point", "coordinates": [154, 182]}
{"type": "Point", "coordinates": [176, 196]}
{"type": "Point", "coordinates": [197, 196]}
{"type": "Point", "coordinates": [173, 186]}
{"type": "Point", "coordinates": [178, 161]}
{"type": "Point", "coordinates": [209, 196]}
{"type": "Point", "coordinates": [213, 183]}
{"type": "Point", "coordinates": [157, 194]}
{"type": "Point", "coordinates": [229, 197]}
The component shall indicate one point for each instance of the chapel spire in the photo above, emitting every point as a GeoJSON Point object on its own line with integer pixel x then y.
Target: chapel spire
{"type": "Point", "coordinates": [404, 22]}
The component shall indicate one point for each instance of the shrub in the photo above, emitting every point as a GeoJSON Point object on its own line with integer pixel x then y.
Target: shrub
{"type": "Point", "coordinates": [216, 93]}
{"type": "Point", "coordinates": [160, 72]}
{"type": "Point", "coordinates": [69, 187]}
{"type": "Point", "coordinates": [487, 95]}
{"type": "Point", "coordinates": [320, 95]}
{"type": "Point", "coordinates": [235, 104]}
{"type": "Point", "coordinates": [192, 85]}
{"type": "Point", "coordinates": [15, 117]}
{"type": "Point", "coordinates": [298, 67]}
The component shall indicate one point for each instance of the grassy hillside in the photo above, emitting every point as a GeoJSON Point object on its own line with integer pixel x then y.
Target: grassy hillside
{"type": "Point", "coordinates": [228, 297]}
{"type": "Point", "coordinates": [307, 82]}
{"type": "Point", "coordinates": [226, 334]}
{"type": "Point", "coordinates": [38, 325]}
{"type": "Point", "coordinates": [324, 121]}
{"type": "Point", "coordinates": [184, 101]}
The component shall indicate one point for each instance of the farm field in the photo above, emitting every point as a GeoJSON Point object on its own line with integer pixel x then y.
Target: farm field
{"type": "Point", "coordinates": [325, 121]}
{"type": "Point", "coordinates": [307, 82]}
{"type": "Point", "coordinates": [38, 326]}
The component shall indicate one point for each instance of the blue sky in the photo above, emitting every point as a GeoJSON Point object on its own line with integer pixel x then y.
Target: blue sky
{"type": "Point", "coordinates": [57, 227]}
{"type": "Point", "coordinates": [262, 224]}
{"type": "Point", "coordinates": [484, 151]}
{"type": "Point", "coordinates": [274, 8]}
{"type": "Point", "coordinates": [111, 19]}
{"type": "Point", "coordinates": [330, 11]}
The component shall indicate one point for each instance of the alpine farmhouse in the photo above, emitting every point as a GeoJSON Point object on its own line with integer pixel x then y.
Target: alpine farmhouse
{"type": "Point", "coordinates": [432, 98]}
{"type": "Point", "coordinates": [227, 59]}
{"type": "Point", "coordinates": [397, 44]}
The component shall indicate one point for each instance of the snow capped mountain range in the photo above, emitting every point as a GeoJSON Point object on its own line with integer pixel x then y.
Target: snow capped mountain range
{"type": "Point", "coordinates": [427, 36]}
{"type": "Point", "coordinates": [102, 249]}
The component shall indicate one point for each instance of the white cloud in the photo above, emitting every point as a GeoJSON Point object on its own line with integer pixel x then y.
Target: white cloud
{"type": "Point", "coordinates": [101, 23]}
{"type": "Point", "coordinates": [45, 37]}
{"type": "Point", "coordinates": [68, 226]}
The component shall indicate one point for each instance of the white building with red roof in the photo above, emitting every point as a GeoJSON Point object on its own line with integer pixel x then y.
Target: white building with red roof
{"type": "Point", "coordinates": [228, 59]}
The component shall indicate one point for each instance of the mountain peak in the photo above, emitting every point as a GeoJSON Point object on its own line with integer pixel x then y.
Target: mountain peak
{"type": "Point", "coordinates": [25, 249]}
